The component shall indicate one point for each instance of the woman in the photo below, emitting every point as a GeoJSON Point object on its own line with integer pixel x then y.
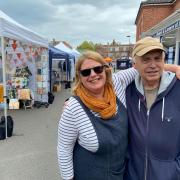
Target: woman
{"type": "Point", "coordinates": [92, 133]}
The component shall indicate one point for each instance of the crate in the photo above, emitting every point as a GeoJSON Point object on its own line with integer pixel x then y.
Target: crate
{"type": "Point", "coordinates": [57, 87]}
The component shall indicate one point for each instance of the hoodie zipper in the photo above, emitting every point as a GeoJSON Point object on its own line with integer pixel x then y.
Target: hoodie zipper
{"type": "Point", "coordinates": [146, 153]}
{"type": "Point", "coordinates": [147, 129]}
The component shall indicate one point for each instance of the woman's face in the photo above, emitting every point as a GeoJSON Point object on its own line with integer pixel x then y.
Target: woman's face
{"type": "Point", "coordinates": [94, 81]}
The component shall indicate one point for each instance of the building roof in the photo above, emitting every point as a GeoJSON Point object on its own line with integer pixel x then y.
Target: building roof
{"type": "Point", "coordinates": [157, 1]}
{"type": "Point", "coordinates": [152, 2]}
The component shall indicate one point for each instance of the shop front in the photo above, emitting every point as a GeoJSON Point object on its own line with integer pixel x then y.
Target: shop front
{"type": "Point", "coordinates": [168, 31]}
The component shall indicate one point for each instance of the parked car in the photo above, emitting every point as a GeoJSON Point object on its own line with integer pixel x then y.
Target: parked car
{"type": "Point", "coordinates": [123, 63]}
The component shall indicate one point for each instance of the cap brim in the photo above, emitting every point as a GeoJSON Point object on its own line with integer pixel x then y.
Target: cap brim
{"type": "Point", "coordinates": [147, 49]}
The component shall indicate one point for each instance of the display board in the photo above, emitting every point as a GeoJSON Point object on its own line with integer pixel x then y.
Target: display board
{"type": "Point", "coordinates": [22, 63]}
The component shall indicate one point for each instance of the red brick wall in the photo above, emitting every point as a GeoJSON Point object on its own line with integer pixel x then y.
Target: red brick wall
{"type": "Point", "coordinates": [151, 15]}
{"type": "Point", "coordinates": [176, 5]}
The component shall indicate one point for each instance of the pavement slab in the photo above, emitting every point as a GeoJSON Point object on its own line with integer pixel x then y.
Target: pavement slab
{"type": "Point", "coordinates": [30, 154]}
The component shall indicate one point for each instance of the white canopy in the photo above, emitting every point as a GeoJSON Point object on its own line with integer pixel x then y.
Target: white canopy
{"type": "Point", "coordinates": [66, 49]}
{"type": "Point", "coordinates": [11, 29]}
{"type": "Point", "coordinates": [76, 52]}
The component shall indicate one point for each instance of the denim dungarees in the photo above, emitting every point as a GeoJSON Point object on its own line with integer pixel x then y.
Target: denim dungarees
{"type": "Point", "coordinates": [108, 162]}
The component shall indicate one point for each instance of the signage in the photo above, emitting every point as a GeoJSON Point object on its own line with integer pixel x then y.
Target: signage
{"type": "Point", "coordinates": [171, 27]}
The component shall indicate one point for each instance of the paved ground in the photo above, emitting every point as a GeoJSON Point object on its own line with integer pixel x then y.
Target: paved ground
{"type": "Point", "coordinates": [30, 154]}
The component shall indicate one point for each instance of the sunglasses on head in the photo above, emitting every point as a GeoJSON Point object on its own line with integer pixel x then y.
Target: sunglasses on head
{"type": "Point", "coordinates": [97, 70]}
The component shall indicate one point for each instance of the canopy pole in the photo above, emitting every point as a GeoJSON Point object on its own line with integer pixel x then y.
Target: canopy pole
{"type": "Point", "coordinates": [4, 81]}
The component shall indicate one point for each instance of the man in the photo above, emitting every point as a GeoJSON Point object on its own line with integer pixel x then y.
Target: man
{"type": "Point", "coordinates": [153, 101]}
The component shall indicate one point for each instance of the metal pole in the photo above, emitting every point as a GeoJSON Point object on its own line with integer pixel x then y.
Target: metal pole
{"type": "Point", "coordinates": [4, 81]}
{"type": "Point", "coordinates": [129, 45]}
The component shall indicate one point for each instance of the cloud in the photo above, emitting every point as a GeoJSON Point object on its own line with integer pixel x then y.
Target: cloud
{"type": "Point", "coordinates": [76, 20]}
{"type": "Point", "coordinates": [30, 11]}
{"type": "Point", "coordinates": [101, 4]}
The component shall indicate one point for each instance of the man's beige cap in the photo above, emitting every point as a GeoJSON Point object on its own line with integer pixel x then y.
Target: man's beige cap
{"type": "Point", "coordinates": [145, 45]}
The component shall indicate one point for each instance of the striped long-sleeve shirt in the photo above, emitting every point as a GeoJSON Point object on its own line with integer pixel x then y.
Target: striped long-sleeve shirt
{"type": "Point", "coordinates": [75, 125]}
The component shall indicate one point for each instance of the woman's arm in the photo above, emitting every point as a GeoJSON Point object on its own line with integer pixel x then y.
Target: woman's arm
{"type": "Point", "coordinates": [67, 135]}
{"type": "Point", "coordinates": [125, 77]}
{"type": "Point", "coordinates": [128, 75]}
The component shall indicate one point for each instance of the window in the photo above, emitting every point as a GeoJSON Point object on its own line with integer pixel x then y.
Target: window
{"type": "Point", "coordinates": [170, 55]}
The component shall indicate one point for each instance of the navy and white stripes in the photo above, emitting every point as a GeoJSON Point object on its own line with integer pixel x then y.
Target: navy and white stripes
{"type": "Point", "coordinates": [75, 125]}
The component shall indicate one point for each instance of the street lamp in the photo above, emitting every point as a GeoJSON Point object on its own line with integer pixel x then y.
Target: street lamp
{"type": "Point", "coordinates": [129, 37]}
{"type": "Point", "coordinates": [129, 44]}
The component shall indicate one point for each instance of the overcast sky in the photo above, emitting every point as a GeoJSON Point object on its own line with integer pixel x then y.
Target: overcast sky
{"type": "Point", "coordinates": [74, 21]}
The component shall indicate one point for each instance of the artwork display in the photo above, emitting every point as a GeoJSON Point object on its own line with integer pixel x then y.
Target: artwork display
{"type": "Point", "coordinates": [26, 67]}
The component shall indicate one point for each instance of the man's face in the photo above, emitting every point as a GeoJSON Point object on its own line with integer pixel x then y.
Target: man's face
{"type": "Point", "coordinates": [150, 66]}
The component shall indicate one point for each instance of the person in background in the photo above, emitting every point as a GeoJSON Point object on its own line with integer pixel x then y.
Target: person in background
{"type": "Point", "coordinates": [114, 68]}
{"type": "Point", "coordinates": [153, 101]}
{"type": "Point", "coordinates": [93, 131]}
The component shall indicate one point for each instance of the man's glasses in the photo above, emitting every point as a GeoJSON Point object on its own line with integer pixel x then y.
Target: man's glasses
{"type": "Point", "coordinates": [97, 70]}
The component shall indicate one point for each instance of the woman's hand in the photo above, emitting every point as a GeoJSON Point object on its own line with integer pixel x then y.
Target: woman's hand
{"type": "Point", "coordinates": [178, 72]}
{"type": "Point", "coordinates": [173, 68]}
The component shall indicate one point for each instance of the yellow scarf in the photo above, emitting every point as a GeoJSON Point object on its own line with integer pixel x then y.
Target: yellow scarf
{"type": "Point", "coordinates": [106, 107]}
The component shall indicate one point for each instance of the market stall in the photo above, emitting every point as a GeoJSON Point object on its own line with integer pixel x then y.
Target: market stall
{"type": "Point", "coordinates": [59, 68]}
{"type": "Point", "coordinates": [23, 63]}
{"type": "Point", "coordinates": [72, 58]}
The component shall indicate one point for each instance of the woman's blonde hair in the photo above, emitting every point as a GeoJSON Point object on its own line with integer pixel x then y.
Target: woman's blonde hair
{"type": "Point", "coordinates": [93, 56]}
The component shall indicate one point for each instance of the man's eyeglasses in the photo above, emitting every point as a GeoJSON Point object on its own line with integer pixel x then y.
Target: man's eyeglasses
{"type": "Point", "coordinates": [97, 70]}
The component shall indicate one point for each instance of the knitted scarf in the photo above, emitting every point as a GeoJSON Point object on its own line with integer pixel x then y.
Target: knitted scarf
{"type": "Point", "coordinates": [106, 107]}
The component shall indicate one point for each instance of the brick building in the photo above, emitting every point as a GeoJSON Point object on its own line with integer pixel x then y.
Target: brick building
{"type": "Point", "coordinates": [161, 19]}
{"type": "Point", "coordinates": [115, 50]}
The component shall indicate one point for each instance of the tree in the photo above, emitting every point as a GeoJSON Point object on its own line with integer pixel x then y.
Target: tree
{"type": "Point", "coordinates": [86, 46]}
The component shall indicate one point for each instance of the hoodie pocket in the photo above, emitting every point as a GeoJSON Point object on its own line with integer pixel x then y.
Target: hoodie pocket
{"type": "Point", "coordinates": [119, 171]}
{"type": "Point", "coordinates": [166, 170]}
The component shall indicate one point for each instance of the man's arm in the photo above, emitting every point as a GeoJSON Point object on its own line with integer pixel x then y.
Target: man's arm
{"type": "Point", "coordinates": [173, 68]}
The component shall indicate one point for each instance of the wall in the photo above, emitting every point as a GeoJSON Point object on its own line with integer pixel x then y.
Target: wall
{"type": "Point", "coordinates": [150, 16]}
{"type": "Point", "coordinates": [115, 51]}
{"type": "Point", "coordinates": [176, 5]}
